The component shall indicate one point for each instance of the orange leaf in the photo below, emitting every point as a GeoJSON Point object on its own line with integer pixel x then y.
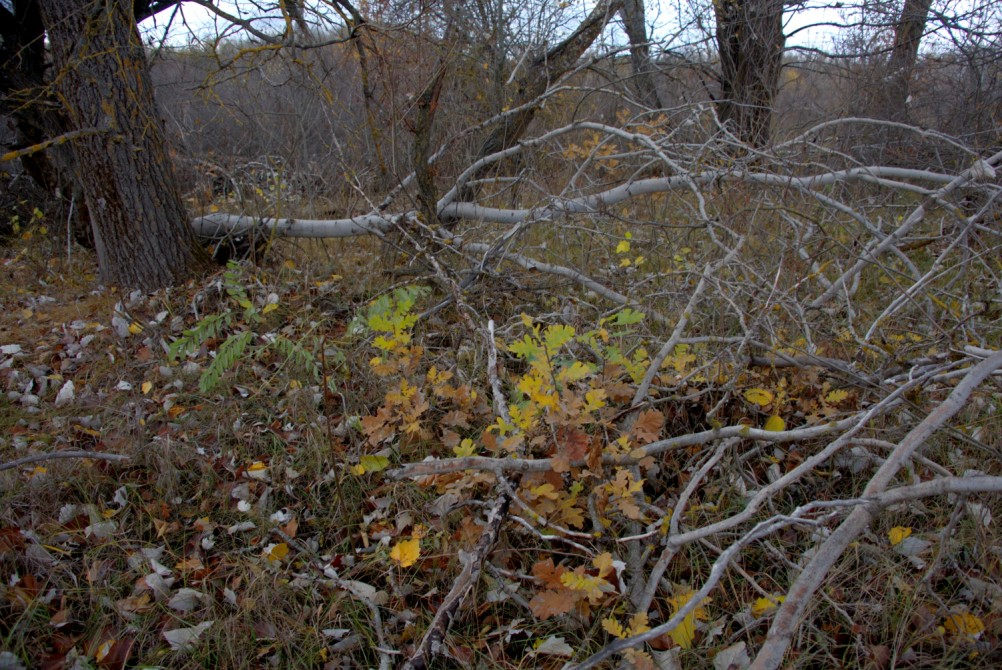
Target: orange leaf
{"type": "Point", "coordinates": [552, 603]}
{"type": "Point", "coordinates": [648, 426]}
{"type": "Point", "coordinates": [548, 574]}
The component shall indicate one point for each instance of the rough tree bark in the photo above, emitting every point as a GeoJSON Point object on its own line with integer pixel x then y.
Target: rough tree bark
{"type": "Point", "coordinates": [24, 98]}
{"type": "Point", "coordinates": [634, 18]}
{"type": "Point", "coordinates": [750, 41]}
{"type": "Point", "coordinates": [102, 81]}
{"type": "Point", "coordinates": [904, 54]}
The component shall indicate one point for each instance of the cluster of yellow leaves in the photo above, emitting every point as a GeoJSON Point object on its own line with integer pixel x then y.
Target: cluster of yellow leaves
{"type": "Point", "coordinates": [637, 624]}
{"type": "Point", "coordinates": [623, 248]}
{"type": "Point", "coordinates": [554, 505]}
{"type": "Point", "coordinates": [546, 387]}
{"type": "Point", "coordinates": [402, 410]}
{"type": "Point", "coordinates": [597, 147]}
{"type": "Point", "coordinates": [817, 402]}
{"type": "Point", "coordinates": [623, 492]}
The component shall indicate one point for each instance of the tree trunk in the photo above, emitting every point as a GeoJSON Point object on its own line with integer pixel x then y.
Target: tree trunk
{"type": "Point", "coordinates": [25, 98]}
{"type": "Point", "coordinates": [635, 24]}
{"type": "Point", "coordinates": [140, 225]}
{"type": "Point", "coordinates": [750, 40]}
{"type": "Point", "coordinates": [537, 75]}
{"type": "Point", "coordinates": [904, 54]}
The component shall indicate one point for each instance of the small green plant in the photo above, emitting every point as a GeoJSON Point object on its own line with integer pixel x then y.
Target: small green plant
{"type": "Point", "coordinates": [241, 335]}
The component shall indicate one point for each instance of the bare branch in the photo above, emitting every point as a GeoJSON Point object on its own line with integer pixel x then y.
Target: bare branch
{"type": "Point", "coordinates": [793, 608]}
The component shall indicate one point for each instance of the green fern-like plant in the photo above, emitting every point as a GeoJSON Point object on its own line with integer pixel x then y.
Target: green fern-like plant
{"type": "Point", "coordinates": [240, 341]}
{"type": "Point", "coordinates": [297, 355]}
{"type": "Point", "coordinates": [209, 328]}
{"type": "Point", "coordinates": [227, 355]}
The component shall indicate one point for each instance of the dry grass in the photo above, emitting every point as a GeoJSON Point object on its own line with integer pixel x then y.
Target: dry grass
{"type": "Point", "coordinates": [78, 538]}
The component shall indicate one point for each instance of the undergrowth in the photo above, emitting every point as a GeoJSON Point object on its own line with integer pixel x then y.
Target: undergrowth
{"type": "Point", "coordinates": [267, 510]}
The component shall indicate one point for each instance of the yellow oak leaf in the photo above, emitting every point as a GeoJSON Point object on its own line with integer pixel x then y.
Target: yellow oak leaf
{"type": "Point", "coordinates": [594, 399]}
{"type": "Point", "coordinates": [613, 627]}
{"type": "Point", "coordinates": [465, 448]}
{"type": "Point", "coordinates": [764, 606]}
{"type": "Point", "coordinates": [603, 563]}
{"type": "Point", "coordinates": [276, 552]}
{"type": "Point", "coordinates": [593, 588]}
{"type": "Point", "coordinates": [574, 372]}
{"type": "Point", "coordinates": [964, 624]}
{"type": "Point", "coordinates": [406, 552]}
{"type": "Point", "coordinates": [759, 397]}
{"type": "Point", "coordinates": [836, 396]}
{"type": "Point", "coordinates": [684, 634]}
{"type": "Point", "coordinates": [373, 463]}
{"type": "Point", "coordinates": [897, 534]}
{"type": "Point", "coordinates": [775, 424]}
{"type": "Point", "coordinates": [639, 623]}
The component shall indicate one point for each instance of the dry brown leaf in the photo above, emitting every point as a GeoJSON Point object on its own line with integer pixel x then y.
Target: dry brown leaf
{"type": "Point", "coordinates": [648, 426]}
{"type": "Point", "coordinates": [546, 604]}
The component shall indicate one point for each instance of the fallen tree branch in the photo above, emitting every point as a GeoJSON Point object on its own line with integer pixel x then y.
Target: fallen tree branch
{"type": "Point", "coordinates": [523, 465]}
{"type": "Point", "coordinates": [797, 600]}
{"type": "Point", "coordinates": [937, 487]}
{"type": "Point", "coordinates": [717, 571]}
{"type": "Point", "coordinates": [473, 563]}
{"type": "Point", "coordinates": [48, 144]}
{"type": "Point", "coordinates": [38, 458]}
{"type": "Point", "coordinates": [375, 223]}
{"type": "Point", "coordinates": [220, 225]}
{"type": "Point", "coordinates": [978, 170]}
{"type": "Point", "coordinates": [570, 273]}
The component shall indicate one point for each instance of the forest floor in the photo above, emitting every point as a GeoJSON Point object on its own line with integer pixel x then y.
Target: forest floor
{"type": "Point", "coordinates": [233, 511]}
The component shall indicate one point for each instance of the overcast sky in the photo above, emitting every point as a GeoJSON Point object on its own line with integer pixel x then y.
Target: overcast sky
{"type": "Point", "coordinates": [664, 17]}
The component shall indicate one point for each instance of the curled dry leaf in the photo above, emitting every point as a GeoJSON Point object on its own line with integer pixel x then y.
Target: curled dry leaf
{"type": "Point", "coordinates": [185, 639]}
